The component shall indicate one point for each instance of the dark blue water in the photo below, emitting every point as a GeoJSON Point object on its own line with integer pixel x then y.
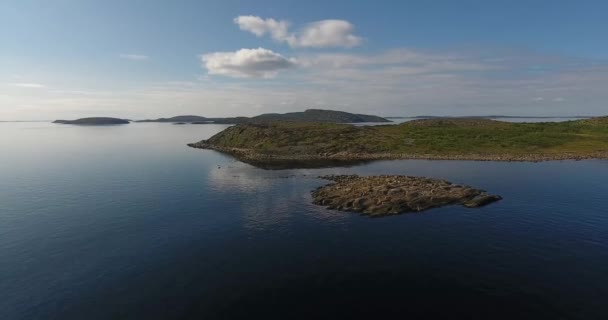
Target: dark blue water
{"type": "Point", "coordinates": [126, 222]}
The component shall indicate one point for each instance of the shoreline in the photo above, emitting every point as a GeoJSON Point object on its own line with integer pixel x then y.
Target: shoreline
{"type": "Point", "coordinates": [248, 155]}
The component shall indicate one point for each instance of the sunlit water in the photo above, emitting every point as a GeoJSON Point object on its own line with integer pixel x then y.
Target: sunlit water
{"type": "Point", "coordinates": [126, 222]}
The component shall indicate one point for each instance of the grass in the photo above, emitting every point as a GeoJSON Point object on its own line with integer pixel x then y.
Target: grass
{"type": "Point", "coordinates": [434, 136]}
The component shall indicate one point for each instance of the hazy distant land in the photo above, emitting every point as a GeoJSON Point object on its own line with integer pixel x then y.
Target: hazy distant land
{"type": "Point", "coordinates": [94, 121]}
{"type": "Point", "coordinates": [310, 115]}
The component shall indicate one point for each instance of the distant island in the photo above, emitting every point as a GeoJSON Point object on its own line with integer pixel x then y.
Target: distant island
{"type": "Point", "coordinates": [179, 119]}
{"type": "Point", "coordinates": [98, 121]}
{"type": "Point", "coordinates": [445, 138]}
{"type": "Point", "coordinates": [310, 115]}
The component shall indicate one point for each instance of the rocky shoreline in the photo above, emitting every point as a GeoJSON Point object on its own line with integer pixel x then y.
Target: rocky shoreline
{"type": "Point", "coordinates": [248, 155]}
{"type": "Point", "coordinates": [390, 195]}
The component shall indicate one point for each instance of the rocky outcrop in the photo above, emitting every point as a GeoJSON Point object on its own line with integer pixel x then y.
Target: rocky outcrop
{"type": "Point", "coordinates": [390, 195]}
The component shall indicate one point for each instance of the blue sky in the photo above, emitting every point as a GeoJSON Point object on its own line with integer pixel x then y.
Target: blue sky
{"type": "Point", "coordinates": [139, 59]}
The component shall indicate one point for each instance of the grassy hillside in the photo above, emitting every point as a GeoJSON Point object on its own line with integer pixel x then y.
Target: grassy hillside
{"type": "Point", "coordinates": [431, 138]}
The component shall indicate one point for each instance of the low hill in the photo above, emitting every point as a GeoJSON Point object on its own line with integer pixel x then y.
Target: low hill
{"type": "Point", "coordinates": [179, 119]}
{"type": "Point", "coordinates": [453, 138]}
{"type": "Point", "coordinates": [310, 115]}
{"type": "Point", "coordinates": [94, 121]}
{"type": "Point", "coordinates": [318, 115]}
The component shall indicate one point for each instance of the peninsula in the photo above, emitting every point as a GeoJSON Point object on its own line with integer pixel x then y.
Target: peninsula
{"type": "Point", "coordinates": [98, 121]}
{"type": "Point", "coordinates": [310, 115]}
{"type": "Point", "coordinates": [446, 139]}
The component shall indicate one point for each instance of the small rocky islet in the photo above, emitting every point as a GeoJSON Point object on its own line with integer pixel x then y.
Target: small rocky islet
{"type": "Point", "coordinates": [395, 194]}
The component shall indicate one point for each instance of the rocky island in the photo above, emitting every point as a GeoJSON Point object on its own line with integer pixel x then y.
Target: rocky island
{"type": "Point", "coordinates": [97, 121]}
{"type": "Point", "coordinates": [389, 195]}
{"type": "Point", "coordinates": [441, 139]}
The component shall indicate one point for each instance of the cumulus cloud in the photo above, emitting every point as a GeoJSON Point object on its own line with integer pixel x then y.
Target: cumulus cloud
{"type": "Point", "coordinates": [325, 34]}
{"type": "Point", "coordinates": [318, 34]}
{"type": "Point", "coordinates": [261, 27]}
{"type": "Point", "coordinates": [134, 57]}
{"type": "Point", "coordinates": [246, 63]}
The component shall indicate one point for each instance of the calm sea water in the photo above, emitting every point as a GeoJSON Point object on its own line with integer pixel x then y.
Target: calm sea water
{"type": "Point", "coordinates": [126, 222]}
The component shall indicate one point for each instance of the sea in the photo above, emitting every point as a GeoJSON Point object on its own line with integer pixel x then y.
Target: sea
{"type": "Point", "coordinates": [127, 222]}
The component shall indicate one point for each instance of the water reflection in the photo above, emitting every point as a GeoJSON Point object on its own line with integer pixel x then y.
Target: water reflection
{"type": "Point", "coordinates": [267, 198]}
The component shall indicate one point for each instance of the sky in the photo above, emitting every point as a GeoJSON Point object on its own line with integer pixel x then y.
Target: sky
{"type": "Point", "coordinates": [67, 59]}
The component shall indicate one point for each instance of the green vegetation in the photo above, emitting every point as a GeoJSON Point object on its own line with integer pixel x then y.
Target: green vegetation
{"type": "Point", "coordinates": [433, 138]}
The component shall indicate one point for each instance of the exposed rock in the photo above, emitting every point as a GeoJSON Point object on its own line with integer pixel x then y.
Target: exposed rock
{"type": "Point", "coordinates": [481, 200]}
{"type": "Point", "coordinates": [389, 195]}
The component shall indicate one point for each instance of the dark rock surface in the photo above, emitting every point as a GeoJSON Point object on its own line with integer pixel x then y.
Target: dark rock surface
{"type": "Point", "coordinates": [390, 195]}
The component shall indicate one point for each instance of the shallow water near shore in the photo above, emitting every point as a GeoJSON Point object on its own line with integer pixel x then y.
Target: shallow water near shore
{"type": "Point", "coordinates": [128, 222]}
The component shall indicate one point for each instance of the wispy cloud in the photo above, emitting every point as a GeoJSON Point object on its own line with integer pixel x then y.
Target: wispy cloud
{"type": "Point", "coordinates": [134, 57]}
{"type": "Point", "coordinates": [29, 85]}
{"type": "Point", "coordinates": [396, 82]}
{"type": "Point", "coordinates": [319, 34]}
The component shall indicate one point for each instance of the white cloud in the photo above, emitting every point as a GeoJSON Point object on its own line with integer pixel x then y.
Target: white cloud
{"type": "Point", "coordinates": [325, 34]}
{"type": "Point", "coordinates": [246, 63]}
{"type": "Point", "coordinates": [538, 99]}
{"type": "Point", "coordinates": [29, 85]}
{"type": "Point", "coordinates": [261, 27]}
{"type": "Point", "coordinates": [319, 34]}
{"type": "Point", "coordinates": [134, 57]}
{"type": "Point", "coordinates": [558, 99]}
